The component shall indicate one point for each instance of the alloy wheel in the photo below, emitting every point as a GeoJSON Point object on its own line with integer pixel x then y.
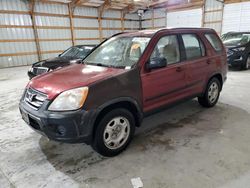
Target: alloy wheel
{"type": "Point", "coordinates": [213, 92]}
{"type": "Point", "coordinates": [116, 132]}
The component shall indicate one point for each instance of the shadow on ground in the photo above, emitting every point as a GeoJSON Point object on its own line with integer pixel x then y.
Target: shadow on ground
{"type": "Point", "coordinates": [161, 132]}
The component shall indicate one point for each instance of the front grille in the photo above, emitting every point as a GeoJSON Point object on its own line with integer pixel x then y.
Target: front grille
{"type": "Point", "coordinates": [34, 98]}
{"type": "Point", "coordinates": [230, 52]}
{"type": "Point", "coordinates": [39, 70]}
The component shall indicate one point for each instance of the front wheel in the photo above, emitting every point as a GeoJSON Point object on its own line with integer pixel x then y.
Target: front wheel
{"type": "Point", "coordinates": [246, 65]}
{"type": "Point", "coordinates": [114, 132]}
{"type": "Point", "coordinates": [212, 93]}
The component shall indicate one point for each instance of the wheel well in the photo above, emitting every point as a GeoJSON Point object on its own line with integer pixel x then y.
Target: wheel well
{"type": "Point", "coordinates": [219, 77]}
{"type": "Point", "coordinates": [123, 104]}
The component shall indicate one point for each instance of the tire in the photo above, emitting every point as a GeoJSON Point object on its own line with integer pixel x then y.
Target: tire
{"type": "Point", "coordinates": [114, 132]}
{"type": "Point", "coordinates": [245, 66]}
{"type": "Point", "coordinates": [212, 93]}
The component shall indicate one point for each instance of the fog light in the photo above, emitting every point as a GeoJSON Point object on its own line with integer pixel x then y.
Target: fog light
{"type": "Point", "coordinates": [61, 130]}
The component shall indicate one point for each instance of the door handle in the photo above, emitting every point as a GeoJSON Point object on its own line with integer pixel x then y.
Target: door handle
{"type": "Point", "coordinates": [209, 61]}
{"type": "Point", "coordinates": [179, 69]}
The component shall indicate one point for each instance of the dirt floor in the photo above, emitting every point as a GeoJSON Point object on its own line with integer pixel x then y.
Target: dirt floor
{"type": "Point", "coordinates": [185, 146]}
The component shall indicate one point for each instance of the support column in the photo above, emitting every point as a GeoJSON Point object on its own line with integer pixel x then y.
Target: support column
{"type": "Point", "coordinates": [100, 12]}
{"type": "Point", "coordinates": [34, 27]}
{"type": "Point", "coordinates": [71, 21]}
{"type": "Point", "coordinates": [153, 19]}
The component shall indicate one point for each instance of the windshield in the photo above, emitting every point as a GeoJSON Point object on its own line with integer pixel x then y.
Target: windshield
{"type": "Point", "coordinates": [77, 52]}
{"type": "Point", "coordinates": [236, 39]}
{"type": "Point", "coordinates": [119, 52]}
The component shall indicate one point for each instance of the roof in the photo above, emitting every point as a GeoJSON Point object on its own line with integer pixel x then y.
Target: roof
{"type": "Point", "coordinates": [151, 32]}
{"type": "Point", "coordinates": [128, 5]}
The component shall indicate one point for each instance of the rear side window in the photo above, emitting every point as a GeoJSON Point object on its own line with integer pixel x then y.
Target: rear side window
{"type": "Point", "coordinates": [193, 46]}
{"type": "Point", "coordinates": [214, 41]}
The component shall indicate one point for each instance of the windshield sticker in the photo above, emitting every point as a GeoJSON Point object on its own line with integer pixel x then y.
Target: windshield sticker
{"type": "Point", "coordinates": [141, 39]}
{"type": "Point", "coordinates": [128, 67]}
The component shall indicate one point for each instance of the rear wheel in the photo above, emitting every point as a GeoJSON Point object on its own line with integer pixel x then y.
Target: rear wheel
{"type": "Point", "coordinates": [212, 93]}
{"type": "Point", "coordinates": [114, 132]}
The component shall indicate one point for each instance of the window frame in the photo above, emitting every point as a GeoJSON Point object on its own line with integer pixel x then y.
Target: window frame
{"type": "Point", "coordinates": [201, 43]}
{"type": "Point", "coordinates": [179, 47]}
{"type": "Point", "coordinates": [209, 33]}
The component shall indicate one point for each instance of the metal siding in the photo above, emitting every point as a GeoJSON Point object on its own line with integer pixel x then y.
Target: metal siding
{"type": "Point", "coordinates": [14, 19]}
{"type": "Point", "coordinates": [192, 17]}
{"type": "Point", "coordinates": [85, 11]}
{"type": "Point", "coordinates": [52, 21]}
{"type": "Point", "coordinates": [111, 23]}
{"type": "Point", "coordinates": [79, 22]}
{"type": "Point", "coordinates": [51, 8]}
{"type": "Point", "coordinates": [53, 33]}
{"type": "Point", "coordinates": [211, 18]}
{"type": "Point", "coordinates": [16, 33]}
{"type": "Point", "coordinates": [108, 33]}
{"type": "Point", "coordinates": [50, 55]}
{"type": "Point", "coordinates": [147, 15]}
{"type": "Point", "coordinates": [14, 47]}
{"type": "Point", "coordinates": [146, 24]}
{"type": "Point", "coordinates": [112, 14]}
{"type": "Point", "coordinates": [131, 24]}
{"type": "Point", "coordinates": [236, 17]}
{"type": "Point", "coordinates": [14, 5]}
{"type": "Point", "coordinates": [86, 33]}
{"type": "Point", "coordinates": [81, 42]}
{"type": "Point", "coordinates": [132, 16]}
{"type": "Point", "coordinates": [17, 60]}
{"type": "Point", "coordinates": [160, 22]}
{"type": "Point", "coordinates": [55, 45]}
{"type": "Point", "coordinates": [213, 4]}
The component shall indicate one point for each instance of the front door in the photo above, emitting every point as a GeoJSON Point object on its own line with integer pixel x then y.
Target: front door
{"type": "Point", "coordinates": [164, 85]}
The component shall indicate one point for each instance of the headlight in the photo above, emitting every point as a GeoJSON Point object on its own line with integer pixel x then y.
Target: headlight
{"type": "Point", "coordinates": [70, 100]}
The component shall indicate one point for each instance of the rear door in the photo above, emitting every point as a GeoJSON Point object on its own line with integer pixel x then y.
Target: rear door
{"type": "Point", "coordinates": [167, 84]}
{"type": "Point", "coordinates": [198, 63]}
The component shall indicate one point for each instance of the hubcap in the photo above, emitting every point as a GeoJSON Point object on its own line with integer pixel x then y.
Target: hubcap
{"type": "Point", "coordinates": [213, 92]}
{"type": "Point", "coordinates": [116, 132]}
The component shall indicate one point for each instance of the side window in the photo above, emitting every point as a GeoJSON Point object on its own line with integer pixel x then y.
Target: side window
{"type": "Point", "coordinates": [168, 48]}
{"type": "Point", "coordinates": [193, 46]}
{"type": "Point", "coordinates": [214, 41]}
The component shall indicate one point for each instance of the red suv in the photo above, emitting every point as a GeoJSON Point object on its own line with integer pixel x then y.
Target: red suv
{"type": "Point", "coordinates": [102, 100]}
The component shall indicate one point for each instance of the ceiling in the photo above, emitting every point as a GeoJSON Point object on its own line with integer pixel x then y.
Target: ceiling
{"type": "Point", "coordinates": [129, 5]}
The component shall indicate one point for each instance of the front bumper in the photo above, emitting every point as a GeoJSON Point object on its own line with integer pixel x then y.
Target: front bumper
{"type": "Point", "coordinates": [71, 127]}
{"type": "Point", "coordinates": [237, 59]}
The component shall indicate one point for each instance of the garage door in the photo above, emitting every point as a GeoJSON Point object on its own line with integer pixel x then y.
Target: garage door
{"type": "Point", "coordinates": [192, 17]}
{"type": "Point", "coordinates": [236, 17]}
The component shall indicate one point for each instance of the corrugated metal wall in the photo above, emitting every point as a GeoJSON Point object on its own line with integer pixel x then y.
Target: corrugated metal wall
{"type": "Point", "coordinates": [17, 41]}
{"type": "Point", "coordinates": [154, 19]}
{"type": "Point", "coordinates": [236, 17]}
{"type": "Point", "coordinates": [185, 18]}
{"type": "Point", "coordinates": [7, 34]}
{"type": "Point", "coordinates": [131, 22]}
{"type": "Point", "coordinates": [82, 34]}
{"type": "Point", "coordinates": [57, 32]}
{"type": "Point", "coordinates": [53, 30]}
{"type": "Point", "coordinates": [213, 15]}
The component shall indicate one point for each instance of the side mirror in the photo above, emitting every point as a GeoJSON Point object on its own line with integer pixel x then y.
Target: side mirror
{"type": "Point", "coordinates": [157, 62]}
{"type": "Point", "coordinates": [59, 55]}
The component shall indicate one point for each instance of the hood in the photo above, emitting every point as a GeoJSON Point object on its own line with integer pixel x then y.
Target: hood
{"type": "Point", "coordinates": [77, 75]}
{"type": "Point", "coordinates": [54, 63]}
